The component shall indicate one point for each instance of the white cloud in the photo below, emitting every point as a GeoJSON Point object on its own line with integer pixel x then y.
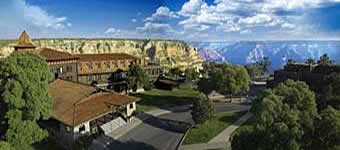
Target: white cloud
{"type": "Point", "coordinates": [247, 31]}
{"type": "Point", "coordinates": [161, 15]}
{"type": "Point", "coordinates": [230, 26]}
{"type": "Point", "coordinates": [38, 17]}
{"type": "Point", "coordinates": [192, 7]}
{"type": "Point", "coordinates": [288, 25]}
{"type": "Point", "coordinates": [112, 30]}
{"type": "Point", "coordinates": [134, 20]}
{"type": "Point", "coordinates": [156, 28]}
{"type": "Point", "coordinates": [257, 19]}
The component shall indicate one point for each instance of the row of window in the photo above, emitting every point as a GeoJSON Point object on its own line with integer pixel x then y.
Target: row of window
{"type": "Point", "coordinates": [106, 64]}
{"type": "Point", "coordinates": [64, 69]}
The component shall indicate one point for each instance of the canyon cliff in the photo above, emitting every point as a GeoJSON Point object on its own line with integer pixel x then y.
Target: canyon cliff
{"type": "Point", "coordinates": [169, 53]}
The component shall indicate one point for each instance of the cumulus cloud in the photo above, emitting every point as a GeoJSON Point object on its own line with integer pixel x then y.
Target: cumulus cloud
{"type": "Point", "coordinates": [38, 17]}
{"type": "Point", "coordinates": [247, 31]}
{"type": "Point", "coordinates": [155, 28]}
{"type": "Point", "coordinates": [134, 20]}
{"type": "Point", "coordinates": [257, 19]}
{"type": "Point", "coordinates": [288, 25]}
{"type": "Point", "coordinates": [161, 15]}
{"type": "Point", "coordinates": [21, 15]}
{"type": "Point", "coordinates": [112, 30]}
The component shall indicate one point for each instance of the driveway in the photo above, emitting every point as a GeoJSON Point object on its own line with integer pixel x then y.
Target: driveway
{"type": "Point", "coordinates": [153, 134]}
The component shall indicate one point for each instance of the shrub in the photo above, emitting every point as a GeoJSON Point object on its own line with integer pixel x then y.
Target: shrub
{"type": "Point", "coordinates": [203, 110]}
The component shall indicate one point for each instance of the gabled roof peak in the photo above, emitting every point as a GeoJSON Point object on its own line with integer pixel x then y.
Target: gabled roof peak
{"type": "Point", "coordinates": [24, 40]}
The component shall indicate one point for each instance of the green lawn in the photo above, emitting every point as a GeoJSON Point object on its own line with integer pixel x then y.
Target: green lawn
{"type": "Point", "coordinates": [211, 128]}
{"type": "Point", "coordinates": [248, 124]}
{"type": "Point", "coordinates": [157, 98]}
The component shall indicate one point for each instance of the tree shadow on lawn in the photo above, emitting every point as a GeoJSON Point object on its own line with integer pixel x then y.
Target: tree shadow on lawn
{"type": "Point", "coordinates": [232, 118]}
{"type": "Point", "coordinates": [170, 125]}
{"type": "Point", "coordinates": [164, 102]}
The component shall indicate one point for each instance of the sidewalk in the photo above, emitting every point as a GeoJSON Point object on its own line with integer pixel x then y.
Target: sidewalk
{"type": "Point", "coordinates": [225, 135]}
{"type": "Point", "coordinates": [221, 141]}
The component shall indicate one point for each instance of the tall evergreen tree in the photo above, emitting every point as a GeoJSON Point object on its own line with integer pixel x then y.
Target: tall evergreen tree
{"type": "Point", "coordinates": [203, 110]}
{"type": "Point", "coordinates": [136, 77]}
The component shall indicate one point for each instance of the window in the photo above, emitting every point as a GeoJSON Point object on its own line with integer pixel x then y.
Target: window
{"type": "Point", "coordinates": [69, 69]}
{"type": "Point", "coordinates": [107, 64]}
{"type": "Point", "coordinates": [90, 66]}
{"type": "Point", "coordinates": [99, 65]}
{"type": "Point", "coordinates": [81, 67]}
{"type": "Point", "coordinates": [131, 106]}
{"type": "Point", "coordinates": [115, 63]}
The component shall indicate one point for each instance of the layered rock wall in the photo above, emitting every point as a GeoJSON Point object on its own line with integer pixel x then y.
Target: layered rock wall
{"type": "Point", "coordinates": [169, 53]}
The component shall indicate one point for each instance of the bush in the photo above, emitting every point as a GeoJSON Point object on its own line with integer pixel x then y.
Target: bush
{"type": "Point", "coordinates": [203, 110]}
{"type": "Point", "coordinates": [148, 85]}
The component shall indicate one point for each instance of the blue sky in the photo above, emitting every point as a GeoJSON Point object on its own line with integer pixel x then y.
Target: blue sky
{"type": "Point", "coordinates": [191, 20]}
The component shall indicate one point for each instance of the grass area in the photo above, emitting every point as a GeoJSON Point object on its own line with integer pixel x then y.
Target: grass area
{"type": "Point", "coordinates": [157, 98]}
{"type": "Point", "coordinates": [248, 124]}
{"type": "Point", "coordinates": [211, 128]}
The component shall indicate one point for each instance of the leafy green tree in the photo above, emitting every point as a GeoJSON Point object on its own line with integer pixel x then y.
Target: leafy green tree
{"type": "Point", "coordinates": [225, 79]}
{"type": "Point", "coordinates": [231, 80]}
{"type": "Point", "coordinates": [331, 92]}
{"type": "Point", "coordinates": [203, 110]}
{"type": "Point", "coordinates": [284, 118]}
{"type": "Point", "coordinates": [291, 61]}
{"type": "Point", "coordinates": [175, 72]}
{"type": "Point", "coordinates": [327, 130]}
{"type": "Point", "coordinates": [205, 86]}
{"type": "Point", "coordinates": [242, 79]}
{"type": "Point", "coordinates": [5, 146]}
{"type": "Point", "coordinates": [310, 61]}
{"type": "Point", "coordinates": [324, 60]}
{"type": "Point", "coordinates": [25, 97]}
{"type": "Point", "coordinates": [191, 74]}
{"type": "Point", "coordinates": [137, 77]}
{"type": "Point", "coordinates": [254, 71]}
{"type": "Point", "coordinates": [265, 63]}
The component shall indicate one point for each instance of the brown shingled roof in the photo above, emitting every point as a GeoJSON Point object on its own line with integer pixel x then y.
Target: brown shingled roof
{"type": "Point", "coordinates": [102, 57]}
{"type": "Point", "coordinates": [24, 41]}
{"type": "Point", "coordinates": [78, 103]}
{"type": "Point", "coordinates": [54, 55]}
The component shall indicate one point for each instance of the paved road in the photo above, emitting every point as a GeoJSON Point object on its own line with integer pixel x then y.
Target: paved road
{"type": "Point", "coordinates": [231, 107]}
{"type": "Point", "coordinates": [152, 134]}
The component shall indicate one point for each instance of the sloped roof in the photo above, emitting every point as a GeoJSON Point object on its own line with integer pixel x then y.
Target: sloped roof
{"type": "Point", "coordinates": [104, 57]}
{"type": "Point", "coordinates": [54, 55]}
{"type": "Point", "coordinates": [77, 103]}
{"type": "Point", "coordinates": [24, 41]}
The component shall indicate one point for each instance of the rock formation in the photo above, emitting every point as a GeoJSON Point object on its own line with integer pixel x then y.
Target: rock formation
{"type": "Point", "coordinates": [169, 53]}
